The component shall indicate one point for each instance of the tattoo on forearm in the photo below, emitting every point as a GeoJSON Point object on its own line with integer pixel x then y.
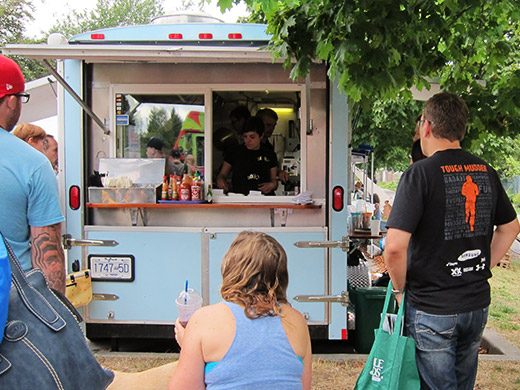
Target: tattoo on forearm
{"type": "Point", "coordinates": [47, 254]}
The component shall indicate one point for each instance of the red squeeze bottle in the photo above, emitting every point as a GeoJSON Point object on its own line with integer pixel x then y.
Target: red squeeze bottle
{"type": "Point", "coordinates": [185, 193]}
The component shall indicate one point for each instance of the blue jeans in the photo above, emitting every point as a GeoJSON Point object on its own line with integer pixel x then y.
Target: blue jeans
{"type": "Point", "coordinates": [446, 347]}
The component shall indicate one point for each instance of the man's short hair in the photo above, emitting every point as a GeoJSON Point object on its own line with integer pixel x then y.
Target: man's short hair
{"type": "Point", "coordinates": [267, 112]}
{"type": "Point", "coordinates": [240, 112]}
{"type": "Point", "coordinates": [176, 153]}
{"type": "Point", "coordinates": [254, 124]}
{"type": "Point", "coordinates": [155, 143]}
{"type": "Point", "coordinates": [448, 114]}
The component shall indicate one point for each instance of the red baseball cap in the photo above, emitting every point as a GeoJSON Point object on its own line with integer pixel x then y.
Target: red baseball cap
{"type": "Point", "coordinates": [11, 77]}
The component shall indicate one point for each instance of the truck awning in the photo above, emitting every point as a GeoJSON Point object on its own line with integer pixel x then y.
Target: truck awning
{"type": "Point", "coordinates": [142, 53]}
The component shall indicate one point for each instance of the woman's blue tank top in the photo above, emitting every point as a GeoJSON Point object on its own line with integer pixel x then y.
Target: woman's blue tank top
{"type": "Point", "coordinates": [260, 357]}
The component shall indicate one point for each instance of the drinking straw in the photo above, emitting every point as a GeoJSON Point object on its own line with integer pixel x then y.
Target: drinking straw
{"type": "Point", "coordinates": [186, 295]}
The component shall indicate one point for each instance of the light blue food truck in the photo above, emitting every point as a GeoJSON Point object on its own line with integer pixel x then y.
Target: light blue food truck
{"type": "Point", "coordinates": [140, 250]}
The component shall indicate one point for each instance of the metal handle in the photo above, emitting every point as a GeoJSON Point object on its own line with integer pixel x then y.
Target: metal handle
{"type": "Point", "coordinates": [343, 244]}
{"type": "Point", "coordinates": [342, 298]}
{"type": "Point", "coordinates": [104, 297]}
{"type": "Point", "coordinates": [69, 242]}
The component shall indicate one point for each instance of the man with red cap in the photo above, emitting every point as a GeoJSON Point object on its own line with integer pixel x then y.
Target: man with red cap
{"type": "Point", "coordinates": [30, 212]}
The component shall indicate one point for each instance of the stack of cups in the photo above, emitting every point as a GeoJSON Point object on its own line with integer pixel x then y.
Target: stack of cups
{"type": "Point", "coordinates": [187, 302]}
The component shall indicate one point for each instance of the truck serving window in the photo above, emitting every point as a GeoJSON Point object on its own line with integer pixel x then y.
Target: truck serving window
{"type": "Point", "coordinates": [179, 121]}
{"type": "Point", "coordinates": [279, 109]}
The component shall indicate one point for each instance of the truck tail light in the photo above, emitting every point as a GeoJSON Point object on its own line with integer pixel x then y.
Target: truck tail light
{"type": "Point", "coordinates": [235, 36]}
{"type": "Point", "coordinates": [205, 36]}
{"type": "Point", "coordinates": [97, 36]}
{"type": "Point", "coordinates": [74, 197]}
{"type": "Point", "coordinates": [175, 36]}
{"type": "Point", "coordinates": [337, 198]}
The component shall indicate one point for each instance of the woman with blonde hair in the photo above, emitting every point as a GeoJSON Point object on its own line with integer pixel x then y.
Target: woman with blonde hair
{"type": "Point", "coordinates": [32, 134]}
{"type": "Point", "coordinates": [254, 339]}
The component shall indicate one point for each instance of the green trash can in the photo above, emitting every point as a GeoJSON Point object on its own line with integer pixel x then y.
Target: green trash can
{"type": "Point", "coordinates": [369, 302]}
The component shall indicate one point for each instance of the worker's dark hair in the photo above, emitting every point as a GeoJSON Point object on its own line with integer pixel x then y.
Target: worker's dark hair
{"type": "Point", "coordinates": [254, 124]}
{"type": "Point", "coordinates": [240, 112]}
{"type": "Point", "coordinates": [267, 112]}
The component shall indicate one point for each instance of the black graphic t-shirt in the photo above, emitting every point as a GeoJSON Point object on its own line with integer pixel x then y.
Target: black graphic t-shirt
{"type": "Point", "coordinates": [250, 168]}
{"type": "Point", "coordinates": [450, 203]}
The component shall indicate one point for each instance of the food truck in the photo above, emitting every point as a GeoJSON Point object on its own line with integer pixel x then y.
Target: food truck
{"type": "Point", "coordinates": [113, 85]}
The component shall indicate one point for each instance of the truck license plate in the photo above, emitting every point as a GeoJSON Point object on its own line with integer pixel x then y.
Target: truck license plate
{"type": "Point", "coordinates": [114, 268]}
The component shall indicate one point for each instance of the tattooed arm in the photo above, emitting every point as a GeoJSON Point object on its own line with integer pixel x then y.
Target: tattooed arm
{"type": "Point", "coordinates": [47, 254]}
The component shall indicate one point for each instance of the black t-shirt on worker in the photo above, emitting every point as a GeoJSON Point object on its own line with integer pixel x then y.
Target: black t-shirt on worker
{"type": "Point", "coordinates": [250, 168]}
{"type": "Point", "coordinates": [450, 203]}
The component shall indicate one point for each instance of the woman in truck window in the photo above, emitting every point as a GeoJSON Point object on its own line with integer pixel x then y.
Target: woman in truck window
{"type": "Point", "coordinates": [254, 166]}
{"type": "Point", "coordinates": [254, 339]}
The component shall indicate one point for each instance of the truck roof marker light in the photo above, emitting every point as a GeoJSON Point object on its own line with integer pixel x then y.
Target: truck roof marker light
{"type": "Point", "coordinates": [175, 36]}
{"type": "Point", "coordinates": [97, 36]}
{"type": "Point", "coordinates": [337, 198]}
{"type": "Point", "coordinates": [205, 36]}
{"type": "Point", "coordinates": [74, 197]}
{"type": "Point", "coordinates": [235, 36]}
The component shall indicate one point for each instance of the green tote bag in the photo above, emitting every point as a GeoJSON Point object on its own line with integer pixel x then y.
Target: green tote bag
{"type": "Point", "coordinates": [391, 363]}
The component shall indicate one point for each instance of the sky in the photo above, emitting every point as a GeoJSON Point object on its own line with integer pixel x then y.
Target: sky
{"type": "Point", "coordinates": [47, 11]}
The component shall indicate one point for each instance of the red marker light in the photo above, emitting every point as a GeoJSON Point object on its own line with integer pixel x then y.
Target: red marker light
{"type": "Point", "coordinates": [205, 36]}
{"type": "Point", "coordinates": [74, 197]}
{"type": "Point", "coordinates": [175, 36]}
{"type": "Point", "coordinates": [337, 198]}
{"type": "Point", "coordinates": [97, 36]}
{"type": "Point", "coordinates": [235, 36]}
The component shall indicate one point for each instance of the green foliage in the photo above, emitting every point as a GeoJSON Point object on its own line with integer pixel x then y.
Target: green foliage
{"type": "Point", "coordinates": [379, 49]}
{"type": "Point", "coordinates": [388, 185]}
{"type": "Point", "coordinates": [109, 13]}
{"type": "Point", "coordinates": [515, 199]}
{"type": "Point", "coordinates": [13, 15]}
{"type": "Point", "coordinates": [160, 126]}
{"type": "Point", "coordinates": [389, 126]}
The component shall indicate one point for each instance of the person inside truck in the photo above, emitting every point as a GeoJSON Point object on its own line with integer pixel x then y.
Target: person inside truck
{"type": "Point", "coordinates": [254, 338]}
{"type": "Point", "coordinates": [270, 119]}
{"type": "Point", "coordinates": [238, 117]}
{"type": "Point", "coordinates": [254, 166]}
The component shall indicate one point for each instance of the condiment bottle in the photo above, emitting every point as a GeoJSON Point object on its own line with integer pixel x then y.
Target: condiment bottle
{"type": "Point", "coordinates": [170, 187]}
{"type": "Point", "coordinates": [209, 196]}
{"type": "Point", "coordinates": [164, 193]}
{"type": "Point", "coordinates": [185, 193]}
{"type": "Point", "coordinates": [196, 189]}
{"type": "Point", "coordinates": [175, 188]}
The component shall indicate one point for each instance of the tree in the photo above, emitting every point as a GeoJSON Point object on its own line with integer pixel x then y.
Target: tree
{"type": "Point", "coordinates": [109, 13]}
{"type": "Point", "coordinates": [160, 126]}
{"type": "Point", "coordinates": [379, 49]}
{"type": "Point", "coordinates": [13, 15]}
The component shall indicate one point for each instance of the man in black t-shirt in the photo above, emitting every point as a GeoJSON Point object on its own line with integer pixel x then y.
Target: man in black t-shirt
{"type": "Point", "coordinates": [254, 166]}
{"type": "Point", "coordinates": [442, 244]}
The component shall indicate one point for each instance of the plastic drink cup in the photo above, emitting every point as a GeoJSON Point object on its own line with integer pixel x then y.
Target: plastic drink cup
{"type": "Point", "coordinates": [187, 303]}
{"type": "Point", "coordinates": [356, 220]}
{"type": "Point", "coordinates": [366, 220]}
{"type": "Point", "coordinates": [375, 225]}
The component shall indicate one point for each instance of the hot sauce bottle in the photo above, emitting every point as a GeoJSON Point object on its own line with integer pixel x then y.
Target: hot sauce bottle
{"type": "Point", "coordinates": [185, 193]}
{"type": "Point", "coordinates": [164, 192]}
